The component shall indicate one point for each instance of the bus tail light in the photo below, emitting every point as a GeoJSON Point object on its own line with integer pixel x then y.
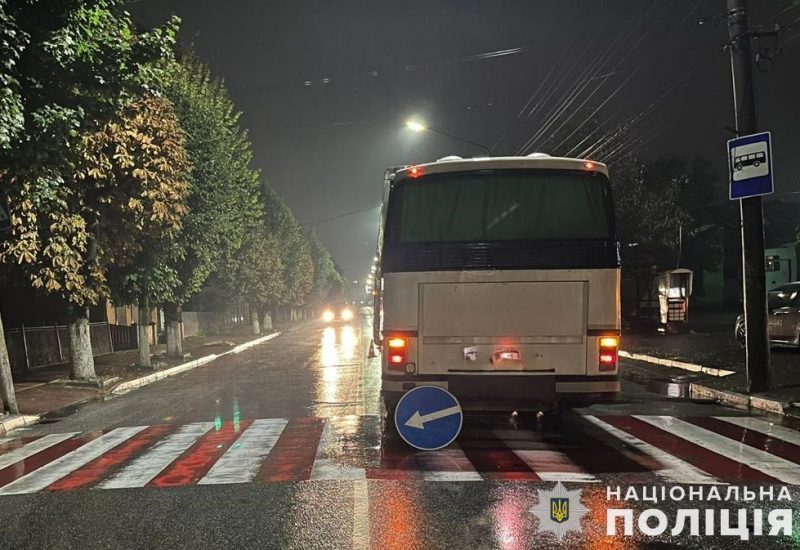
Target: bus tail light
{"type": "Point", "coordinates": [609, 346]}
{"type": "Point", "coordinates": [397, 352]}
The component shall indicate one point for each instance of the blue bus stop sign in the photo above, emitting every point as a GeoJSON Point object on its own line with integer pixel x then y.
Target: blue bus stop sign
{"type": "Point", "coordinates": [750, 166]}
{"type": "Point", "coordinates": [428, 418]}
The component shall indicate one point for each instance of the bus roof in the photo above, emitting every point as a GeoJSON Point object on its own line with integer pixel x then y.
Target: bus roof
{"type": "Point", "coordinates": [537, 160]}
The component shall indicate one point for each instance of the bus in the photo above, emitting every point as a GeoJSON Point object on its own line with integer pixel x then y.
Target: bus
{"type": "Point", "coordinates": [498, 279]}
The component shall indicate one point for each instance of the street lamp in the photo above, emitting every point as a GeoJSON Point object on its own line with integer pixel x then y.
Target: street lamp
{"type": "Point", "coordinates": [417, 126]}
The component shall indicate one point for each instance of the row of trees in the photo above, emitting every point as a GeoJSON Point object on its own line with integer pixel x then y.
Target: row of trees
{"type": "Point", "coordinates": [125, 174]}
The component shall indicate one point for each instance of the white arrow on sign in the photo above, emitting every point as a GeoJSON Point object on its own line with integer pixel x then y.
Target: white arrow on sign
{"type": "Point", "coordinates": [418, 421]}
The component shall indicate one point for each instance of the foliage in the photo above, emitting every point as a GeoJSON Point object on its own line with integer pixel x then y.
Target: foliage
{"type": "Point", "coordinates": [136, 169]}
{"type": "Point", "coordinates": [661, 203]}
{"type": "Point", "coordinates": [12, 43]}
{"type": "Point", "coordinates": [84, 62]}
{"type": "Point", "coordinates": [327, 278]}
{"type": "Point", "coordinates": [261, 271]}
{"type": "Point", "coordinates": [298, 271]}
{"type": "Point", "coordinates": [224, 201]}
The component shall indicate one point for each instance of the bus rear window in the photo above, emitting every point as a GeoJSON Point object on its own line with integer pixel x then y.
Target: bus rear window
{"type": "Point", "coordinates": [500, 206]}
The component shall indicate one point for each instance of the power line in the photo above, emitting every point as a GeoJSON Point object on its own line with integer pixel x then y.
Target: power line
{"type": "Point", "coordinates": [344, 215]}
{"type": "Point", "coordinates": [590, 73]}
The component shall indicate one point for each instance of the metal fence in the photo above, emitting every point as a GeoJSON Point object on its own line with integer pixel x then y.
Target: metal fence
{"type": "Point", "coordinates": [32, 347]}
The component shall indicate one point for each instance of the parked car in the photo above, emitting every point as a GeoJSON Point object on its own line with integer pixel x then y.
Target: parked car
{"type": "Point", "coordinates": [783, 319]}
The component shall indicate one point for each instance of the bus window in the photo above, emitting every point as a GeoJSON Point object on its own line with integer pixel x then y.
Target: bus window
{"type": "Point", "coordinates": [503, 206]}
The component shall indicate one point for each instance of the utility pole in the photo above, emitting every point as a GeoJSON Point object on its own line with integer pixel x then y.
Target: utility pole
{"type": "Point", "coordinates": [755, 291]}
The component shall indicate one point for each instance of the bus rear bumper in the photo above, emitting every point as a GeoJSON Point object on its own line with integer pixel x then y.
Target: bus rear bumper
{"type": "Point", "coordinates": [507, 393]}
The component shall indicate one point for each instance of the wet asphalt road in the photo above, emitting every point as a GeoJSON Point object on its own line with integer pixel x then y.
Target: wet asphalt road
{"type": "Point", "coordinates": [361, 487]}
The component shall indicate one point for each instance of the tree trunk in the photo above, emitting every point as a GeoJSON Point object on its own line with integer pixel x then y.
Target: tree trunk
{"type": "Point", "coordinates": [8, 399]}
{"type": "Point", "coordinates": [254, 320]}
{"type": "Point", "coordinates": [80, 344]}
{"type": "Point", "coordinates": [266, 325]}
{"type": "Point", "coordinates": [174, 318]}
{"type": "Point", "coordinates": [144, 331]}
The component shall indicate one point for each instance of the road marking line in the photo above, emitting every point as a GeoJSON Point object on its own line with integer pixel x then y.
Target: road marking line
{"type": "Point", "coordinates": [554, 466]}
{"type": "Point", "coordinates": [100, 467]}
{"type": "Point", "coordinates": [241, 462]}
{"type": "Point", "coordinates": [292, 457]}
{"type": "Point", "coordinates": [691, 367]}
{"type": "Point", "coordinates": [61, 467]}
{"type": "Point", "coordinates": [142, 470]}
{"type": "Point", "coordinates": [450, 464]}
{"type": "Point", "coordinates": [764, 427]}
{"type": "Point", "coordinates": [675, 471]}
{"type": "Point", "coordinates": [756, 459]}
{"type": "Point", "coordinates": [32, 448]}
{"type": "Point", "coordinates": [327, 467]}
{"type": "Point", "coordinates": [490, 455]}
{"type": "Point", "coordinates": [193, 464]}
{"type": "Point", "coordinates": [360, 515]}
{"type": "Point", "coordinates": [757, 440]}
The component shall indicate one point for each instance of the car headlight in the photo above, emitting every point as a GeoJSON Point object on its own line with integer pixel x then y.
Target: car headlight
{"type": "Point", "coordinates": [327, 316]}
{"type": "Point", "coordinates": [347, 314]}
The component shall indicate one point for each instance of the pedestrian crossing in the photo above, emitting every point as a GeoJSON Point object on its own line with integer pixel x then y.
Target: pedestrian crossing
{"type": "Point", "coordinates": [583, 449]}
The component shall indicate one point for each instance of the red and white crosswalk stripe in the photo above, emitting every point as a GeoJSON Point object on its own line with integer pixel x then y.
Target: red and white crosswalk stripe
{"type": "Point", "coordinates": [774, 468]}
{"type": "Point", "coordinates": [691, 450]}
{"type": "Point", "coordinates": [554, 466]}
{"type": "Point", "coordinates": [61, 467]}
{"type": "Point", "coordinates": [673, 470]}
{"type": "Point", "coordinates": [146, 467]}
{"type": "Point", "coordinates": [241, 462]}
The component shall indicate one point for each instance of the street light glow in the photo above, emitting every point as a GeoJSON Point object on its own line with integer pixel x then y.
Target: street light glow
{"type": "Point", "coordinates": [415, 125]}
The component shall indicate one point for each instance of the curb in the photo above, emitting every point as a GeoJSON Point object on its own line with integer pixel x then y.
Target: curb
{"type": "Point", "coordinates": [247, 345]}
{"type": "Point", "coordinates": [737, 400]}
{"type": "Point", "coordinates": [692, 367]}
{"type": "Point", "coordinates": [18, 422]}
{"type": "Point", "coordinates": [142, 381]}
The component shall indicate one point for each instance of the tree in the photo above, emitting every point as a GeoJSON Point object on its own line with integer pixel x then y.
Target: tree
{"type": "Point", "coordinates": [261, 275]}
{"type": "Point", "coordinates": [672, 204]}
{"type": "Point", "coordinates": [12, 44]}
{"type": "Point", "coordinates": [326, 277]}
{"type": "Point", "coordinates": [82, 63]}
{"type": "Point", "coordinates": [224, 201]}
{"type": "Point", "coordinates": [298, 272]}
{"type": "Point", "coordinates": [139, 169]}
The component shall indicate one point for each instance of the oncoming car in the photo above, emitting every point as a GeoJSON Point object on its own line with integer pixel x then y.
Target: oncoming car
{"type": "Point", "coordinates": [783, 318]}
{"type": "Point", "coordinates": [338, 313]}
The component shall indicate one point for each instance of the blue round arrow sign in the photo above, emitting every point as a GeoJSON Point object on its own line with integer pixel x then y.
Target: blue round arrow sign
{"type": "Point", "coordinates": [428, 418]}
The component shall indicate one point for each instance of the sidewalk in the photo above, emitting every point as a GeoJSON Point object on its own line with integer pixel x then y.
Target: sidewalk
{"type": "Point", "coordinates": [710, 343]}
{"type": "Point", "coordinates": [49, 390]}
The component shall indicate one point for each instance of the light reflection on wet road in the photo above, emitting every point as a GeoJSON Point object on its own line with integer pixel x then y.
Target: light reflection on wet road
{"type": "Point", "coordinates": [348, 484]}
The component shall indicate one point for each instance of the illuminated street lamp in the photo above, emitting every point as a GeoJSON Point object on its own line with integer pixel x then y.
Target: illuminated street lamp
{"type": "Point", "coordinates": [417, 126]}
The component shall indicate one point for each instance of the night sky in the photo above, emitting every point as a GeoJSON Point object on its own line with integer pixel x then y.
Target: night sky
{"type": "Point", "coordinates": [326, 86]}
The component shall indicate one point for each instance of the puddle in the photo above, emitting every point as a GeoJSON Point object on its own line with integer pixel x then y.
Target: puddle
{"type": "Point", "coordinates": [60, 414]}
{"type": "Point", "coordinates": [674, 387]}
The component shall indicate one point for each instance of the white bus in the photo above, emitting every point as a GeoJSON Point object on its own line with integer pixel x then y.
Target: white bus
{"type": "Point", "coordinates": [498, 280]}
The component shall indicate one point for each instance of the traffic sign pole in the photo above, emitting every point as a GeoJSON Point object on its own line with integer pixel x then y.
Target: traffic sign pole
{"type": "Point", "coordinates": [755, 292]}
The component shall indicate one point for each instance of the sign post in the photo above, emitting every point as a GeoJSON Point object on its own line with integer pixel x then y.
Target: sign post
{"type": "Point", "coordinates": [750, 166]}
{"type": "Point", "coordinates": [428, 418]}
{"type": "Point", "coordinates": [750, 176]}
